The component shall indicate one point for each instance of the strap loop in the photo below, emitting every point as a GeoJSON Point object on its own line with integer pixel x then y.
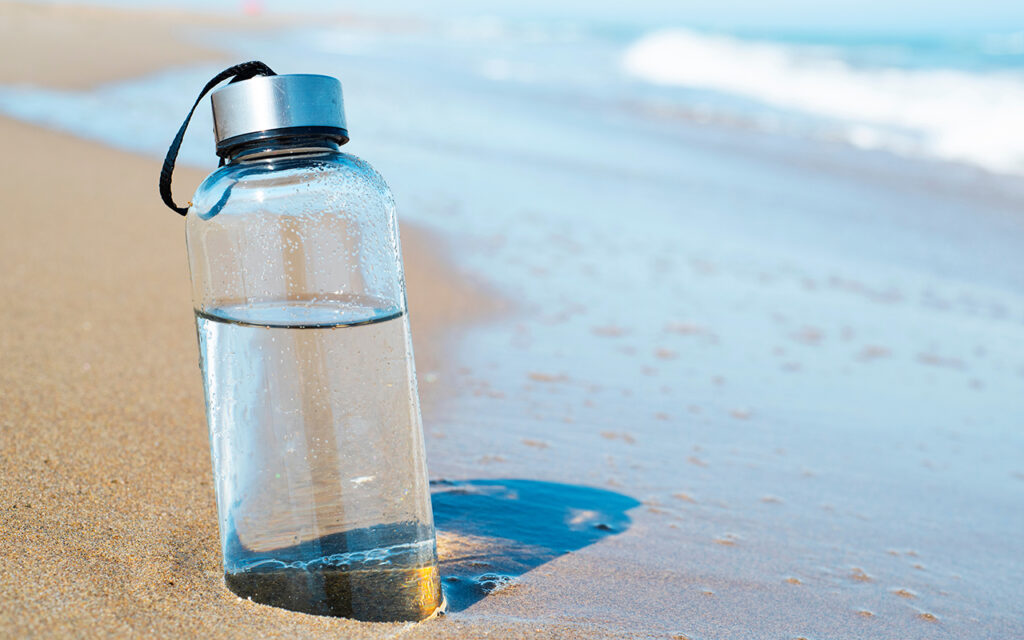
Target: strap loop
{"type": "Point", "coordinates": [239, 72]}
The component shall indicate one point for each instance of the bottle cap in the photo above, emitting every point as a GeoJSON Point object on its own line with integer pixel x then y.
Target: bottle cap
{"type": "Point", "coordinates": [270, 106]}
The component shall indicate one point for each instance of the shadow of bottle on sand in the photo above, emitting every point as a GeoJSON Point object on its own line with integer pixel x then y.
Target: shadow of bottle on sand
{"type": "Point", "coordinates": [492, 531]}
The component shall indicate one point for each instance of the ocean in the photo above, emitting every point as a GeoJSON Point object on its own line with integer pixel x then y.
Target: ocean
{"type": "Point", "coordinates": [948, 89]}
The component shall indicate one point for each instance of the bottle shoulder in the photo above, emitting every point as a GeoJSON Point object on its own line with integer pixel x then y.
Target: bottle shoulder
{"type": "Point", "coordinates": [326, 176]}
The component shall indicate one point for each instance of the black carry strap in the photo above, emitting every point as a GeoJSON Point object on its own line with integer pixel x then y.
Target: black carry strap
{"type": "Point", "coordinates": [242, 71]}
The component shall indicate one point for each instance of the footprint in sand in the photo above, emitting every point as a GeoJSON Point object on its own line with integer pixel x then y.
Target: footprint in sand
{"type": "Point", "coordinates": [860, 575]}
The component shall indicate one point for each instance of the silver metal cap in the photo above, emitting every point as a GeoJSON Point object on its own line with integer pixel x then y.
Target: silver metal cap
{"type": "Point", "coordinates": [269, 106]}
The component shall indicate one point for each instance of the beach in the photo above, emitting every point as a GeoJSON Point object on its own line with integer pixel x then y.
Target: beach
{"type": "Point", "coordinates": [109, 526]}
{"type": "Point", "coordinates": [680, 378]}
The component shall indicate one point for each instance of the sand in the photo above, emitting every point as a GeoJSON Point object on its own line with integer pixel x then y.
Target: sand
{"type": "Point", "coordinates": [108, 517]}
{"type": "Point", "coordinates": [108, 525]}
{"type": "Point", "coordinates": [73, 47]}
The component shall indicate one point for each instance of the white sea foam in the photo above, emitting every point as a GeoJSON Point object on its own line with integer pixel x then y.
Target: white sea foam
{"type": "Point", "coordinates": [948, 114]}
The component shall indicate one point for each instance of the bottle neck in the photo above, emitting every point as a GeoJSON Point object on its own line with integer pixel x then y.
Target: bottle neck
{"type": "Point", "coordinates": [279, 146]}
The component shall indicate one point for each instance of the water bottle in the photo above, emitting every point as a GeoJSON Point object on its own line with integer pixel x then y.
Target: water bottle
{"type": "Point", "coordinates": [304, 346]}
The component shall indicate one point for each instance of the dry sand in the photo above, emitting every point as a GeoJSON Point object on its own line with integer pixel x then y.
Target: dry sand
{"type": "Point", "coordinates": [74, 47]}
{"type": "Point", "coordinates": [108, 523]}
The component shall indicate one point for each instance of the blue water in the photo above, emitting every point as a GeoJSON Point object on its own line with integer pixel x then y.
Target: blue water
{"type": "Point", "coordinates": [948, 91]}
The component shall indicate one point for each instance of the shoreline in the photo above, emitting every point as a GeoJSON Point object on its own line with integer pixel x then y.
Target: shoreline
{"type": "Point", "coordinates": [741, 386]}
{"type": "Point", "coordinates": [105, 458]}
{"type": "Point", "coordinates": [108, 518]}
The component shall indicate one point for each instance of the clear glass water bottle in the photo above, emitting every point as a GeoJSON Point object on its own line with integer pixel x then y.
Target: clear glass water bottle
{"type": "Point", "coordinates": [307, 363]}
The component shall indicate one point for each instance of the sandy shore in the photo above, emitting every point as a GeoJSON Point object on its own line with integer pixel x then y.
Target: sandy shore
{"type": "Point", "coordinates": [108, 524]}
{"type": "Point", "coordinates": [751, 386]}
{"type": "Point", "coordinates": [108, 519]}
{"type": "Point", "coordinates": [74, 47]}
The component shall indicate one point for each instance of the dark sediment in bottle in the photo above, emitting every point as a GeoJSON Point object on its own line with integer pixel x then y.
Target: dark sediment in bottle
{"type": "Point", "coordinates": [385, 573]}
{"type": "Point", "coordinates": [377, 595]}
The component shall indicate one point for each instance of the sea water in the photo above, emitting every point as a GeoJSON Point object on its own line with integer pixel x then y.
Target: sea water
{"type": "Point", "coordinates": [317, 455]}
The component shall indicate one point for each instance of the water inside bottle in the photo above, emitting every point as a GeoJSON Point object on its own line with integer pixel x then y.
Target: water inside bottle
{"type": "Point", "coordinates": [318, 457]}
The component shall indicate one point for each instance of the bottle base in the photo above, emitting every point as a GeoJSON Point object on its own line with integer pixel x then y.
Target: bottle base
{"type": "Point", "coordinates": [379, 594]}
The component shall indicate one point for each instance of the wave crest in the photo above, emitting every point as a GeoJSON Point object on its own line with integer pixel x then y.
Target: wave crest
{"type": "Point", "coordinates": [948, 114]}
